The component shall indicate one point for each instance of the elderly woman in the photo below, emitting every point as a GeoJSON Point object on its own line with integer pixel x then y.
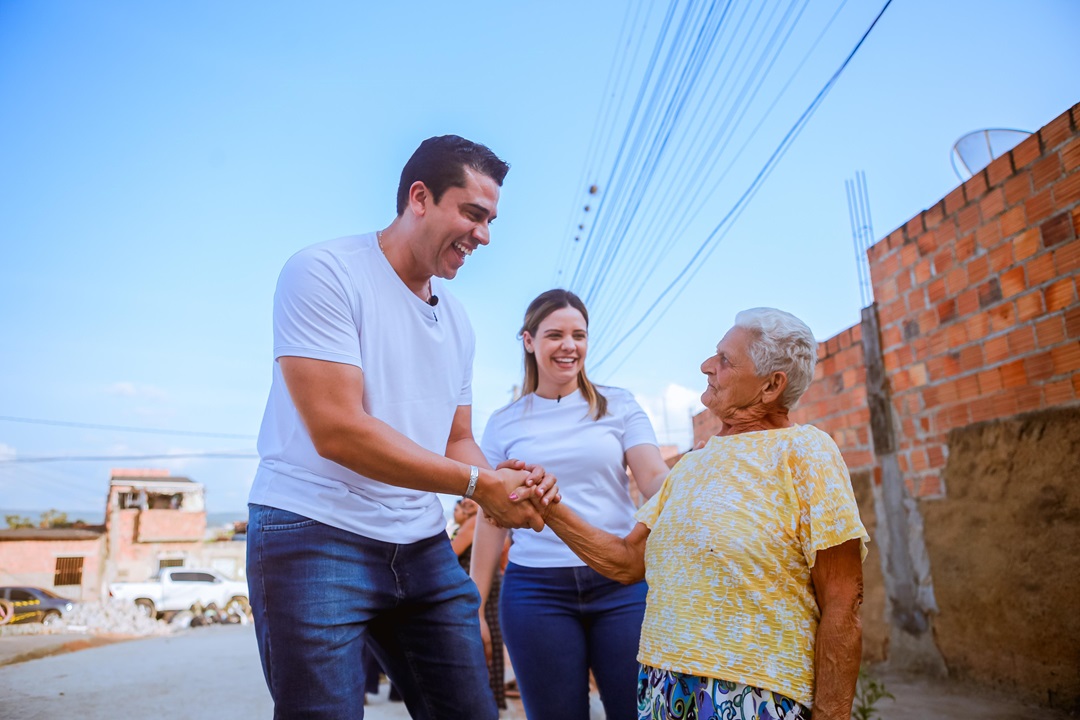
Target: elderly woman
{"type": "Point", "coordinates": [752, 549]}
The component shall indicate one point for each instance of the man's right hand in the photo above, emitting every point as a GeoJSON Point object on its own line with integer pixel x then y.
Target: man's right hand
{"type": "Point", "coordinates": [493, 491]}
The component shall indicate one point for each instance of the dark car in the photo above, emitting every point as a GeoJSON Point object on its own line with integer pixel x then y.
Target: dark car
{"type": "Point", "coordinates": [32, 604]}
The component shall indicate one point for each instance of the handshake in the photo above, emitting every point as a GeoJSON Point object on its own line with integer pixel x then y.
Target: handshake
{"type": "Point", "coordinates": [517, 495]}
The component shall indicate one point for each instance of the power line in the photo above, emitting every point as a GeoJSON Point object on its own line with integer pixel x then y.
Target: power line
{"type": "Point", "coordinates": [126, 428]}
{"type": "Point", "coordinates": [125, 458]}
{"type": "Point", "coordinates": [691, 184]}
{"type": "Point", "coordinates": [710, 243]}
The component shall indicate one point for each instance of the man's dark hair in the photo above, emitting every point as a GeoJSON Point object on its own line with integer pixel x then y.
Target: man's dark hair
{"type": "Point", "coordinates": [440, 163]}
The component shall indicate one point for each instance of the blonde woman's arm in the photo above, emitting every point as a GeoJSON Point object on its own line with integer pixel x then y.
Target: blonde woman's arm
{"type": "Point", "coordinates": [488, 542]}
{"type": "Point", "coordinates": [648, 468]}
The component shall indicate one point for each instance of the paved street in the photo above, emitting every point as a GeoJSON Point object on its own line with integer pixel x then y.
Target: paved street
{"type": "Point", "coordinates": [200, 673]}
{"type": "Point", "coordinates": [214, 672]}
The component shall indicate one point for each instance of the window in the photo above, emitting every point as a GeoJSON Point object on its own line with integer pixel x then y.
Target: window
{"type": "Point", "coordinates": [132, 499]}
{"type": "Point", "coordinates": [68, 571]}
{"type": "Point", "coordinates": [170, 562]}
{"type": "Point", "coordinates": [193, 577]}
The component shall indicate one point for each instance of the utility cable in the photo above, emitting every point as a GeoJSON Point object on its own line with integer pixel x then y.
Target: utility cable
{"type": "Point", "coordinates": [126, 428]}
{"type": "Point", "coordinates": [709, 244]}
{"type": "Point", "coordinates": [114, 458]}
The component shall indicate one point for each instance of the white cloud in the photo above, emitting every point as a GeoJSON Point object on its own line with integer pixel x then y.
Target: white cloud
{"type": "Point", "coordinates": [133, 390]}
{"type": "Point", "coordinates": [122, 389]}
{"type": "Point", "coordinates": [671, 412]}
{"type": "Point", "coordinates": [7, 452]}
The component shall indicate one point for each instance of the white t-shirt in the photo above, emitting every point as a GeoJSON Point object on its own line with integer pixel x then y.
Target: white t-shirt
{"type": "Point", "coordinates": [342, 301]}
{"type": "Point", "coordinates": [587, 456]}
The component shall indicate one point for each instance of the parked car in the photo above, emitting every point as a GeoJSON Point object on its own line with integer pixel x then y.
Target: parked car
{"type": "Point", "coordinates": [178, 588]}
{"type": "Point", "coordinates": [32, 604]}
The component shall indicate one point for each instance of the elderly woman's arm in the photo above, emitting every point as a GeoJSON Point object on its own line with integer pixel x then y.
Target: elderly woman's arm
{"type": "Point", "coordinates": [621, 559]}
{"type": "Point", "coordinates": [837, 577]}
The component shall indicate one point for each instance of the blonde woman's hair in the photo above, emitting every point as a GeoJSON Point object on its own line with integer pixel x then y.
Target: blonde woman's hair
{"type": "Point", "coordinates": [545, 304]}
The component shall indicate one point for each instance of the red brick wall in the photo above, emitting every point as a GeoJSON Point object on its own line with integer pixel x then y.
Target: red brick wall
{"type": "Point", "coordinates": [979, 308]}
{"type": "Point", "coordinates": [169, 525]}
{"type": "Point", "coordinates": [836, 401]}
{"type": "Point", "coordinates": [977, 299]}
{"type": "Point", "coordinates": [33, 562]}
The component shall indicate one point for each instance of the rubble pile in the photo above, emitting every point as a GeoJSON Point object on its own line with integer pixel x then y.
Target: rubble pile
{"type": "Point", "coordinates": [115, 617]}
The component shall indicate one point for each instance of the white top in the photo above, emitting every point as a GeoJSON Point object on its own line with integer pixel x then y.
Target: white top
{"type": "Point", "coordinates": [342, 301]}
{"type": "Point", "coordinates": [587, 456]}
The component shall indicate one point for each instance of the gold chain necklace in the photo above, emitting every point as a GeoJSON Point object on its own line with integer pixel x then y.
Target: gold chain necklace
{"type": "Point", "coordinates": [378, 239]}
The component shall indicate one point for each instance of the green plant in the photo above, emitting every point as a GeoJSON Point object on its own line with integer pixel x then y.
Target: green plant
{"type": "Point", "coordinates": [867, 694]}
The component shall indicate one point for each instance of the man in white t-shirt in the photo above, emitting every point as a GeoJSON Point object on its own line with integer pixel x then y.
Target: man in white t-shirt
{"type": "Point", "coordinates": [369, 416]}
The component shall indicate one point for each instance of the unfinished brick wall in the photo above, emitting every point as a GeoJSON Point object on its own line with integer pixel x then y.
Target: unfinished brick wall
{"type": "Point", "coordinates": [836, 400]}
{"type": "Point", "coordinates": [977, 299]}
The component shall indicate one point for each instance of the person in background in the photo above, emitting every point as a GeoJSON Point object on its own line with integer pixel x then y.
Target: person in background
{"type": "Point", "coordinates": [461, 539]}
{"type": "Point", "coordinates": [561, 619]}
{"type": "Point", "coordinates": [753, 549]}
{"type": "Point", "coordinates": [369, 416]}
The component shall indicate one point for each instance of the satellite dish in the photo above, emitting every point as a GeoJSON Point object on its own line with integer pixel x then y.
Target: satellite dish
{"type": "Point", "coordinates": [976, 150]}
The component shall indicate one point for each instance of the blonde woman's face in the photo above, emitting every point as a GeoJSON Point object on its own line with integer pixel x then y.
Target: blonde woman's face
{"type": "Point", "coordinates": [560, 346]}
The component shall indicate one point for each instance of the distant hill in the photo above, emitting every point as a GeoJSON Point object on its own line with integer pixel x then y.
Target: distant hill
{"type": "Point", "coordinates": [90, 517]}
{"type": "Point", "coordinates": [217, 519]}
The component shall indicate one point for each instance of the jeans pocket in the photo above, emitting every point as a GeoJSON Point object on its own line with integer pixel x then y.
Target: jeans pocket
{"type": "Point", "coordinates": [278, 520]}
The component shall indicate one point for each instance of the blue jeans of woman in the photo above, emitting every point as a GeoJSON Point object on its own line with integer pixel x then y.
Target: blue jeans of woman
{"type": "Point", "coordinates": [318, 594]}
{"type": "Point", "coordinates": [558, 623]}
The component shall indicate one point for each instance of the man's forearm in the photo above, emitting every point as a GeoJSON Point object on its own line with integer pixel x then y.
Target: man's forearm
{"type": "Point", "coordinates": [374, 449]}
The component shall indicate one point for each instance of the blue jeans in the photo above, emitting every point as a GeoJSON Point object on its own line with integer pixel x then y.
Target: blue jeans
{"type": "Point", "coordinates": [558, 623]}
{"type": "Point", "coordinates": [318, 594]}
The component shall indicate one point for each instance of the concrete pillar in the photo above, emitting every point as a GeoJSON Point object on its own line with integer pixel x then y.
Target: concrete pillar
{"type": "Point", "coordinates": [905, 564]}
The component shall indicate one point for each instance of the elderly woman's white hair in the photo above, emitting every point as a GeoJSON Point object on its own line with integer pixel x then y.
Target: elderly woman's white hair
{"type": "Point", "coordinates": [782, 342]}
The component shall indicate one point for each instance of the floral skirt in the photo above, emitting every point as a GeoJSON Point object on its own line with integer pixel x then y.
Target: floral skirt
{"type": "Point", "coordinates": [670, 695]}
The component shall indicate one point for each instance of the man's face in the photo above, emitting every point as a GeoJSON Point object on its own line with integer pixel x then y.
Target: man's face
{"type": "Point", "coordinates": [459, 223]}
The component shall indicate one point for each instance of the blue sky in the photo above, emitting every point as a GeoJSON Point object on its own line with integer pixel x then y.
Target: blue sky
{"type": "Point", "coordinates": [160, 161]}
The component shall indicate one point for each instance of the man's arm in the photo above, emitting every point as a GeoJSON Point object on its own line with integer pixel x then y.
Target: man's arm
{"type": "Point", "coordinates": [621, 559]}
{"type": "Point", "coordinates": [329, 398]}
{"type": "Point", "coordinates": [500, 501]}
{"type": "Point", "coordinates": [837, 577]}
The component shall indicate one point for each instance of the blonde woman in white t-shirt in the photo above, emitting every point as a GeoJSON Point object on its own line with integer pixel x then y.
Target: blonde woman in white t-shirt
{"type": "Point", "coordinates": [560, 619]}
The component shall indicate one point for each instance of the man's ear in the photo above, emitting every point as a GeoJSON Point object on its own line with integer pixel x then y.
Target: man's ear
{"type": "Point", "coordinates": [419, 198]}
{"type": "Point", "coordinates": [774, 387]}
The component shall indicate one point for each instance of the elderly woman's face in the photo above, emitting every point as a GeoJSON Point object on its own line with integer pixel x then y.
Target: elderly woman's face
{"type": "Point", "coordinates": [732, 381]}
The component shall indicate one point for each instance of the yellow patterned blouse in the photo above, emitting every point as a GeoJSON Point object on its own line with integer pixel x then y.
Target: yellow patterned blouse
{"type": "Point", "coordinates": [734, 532]}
